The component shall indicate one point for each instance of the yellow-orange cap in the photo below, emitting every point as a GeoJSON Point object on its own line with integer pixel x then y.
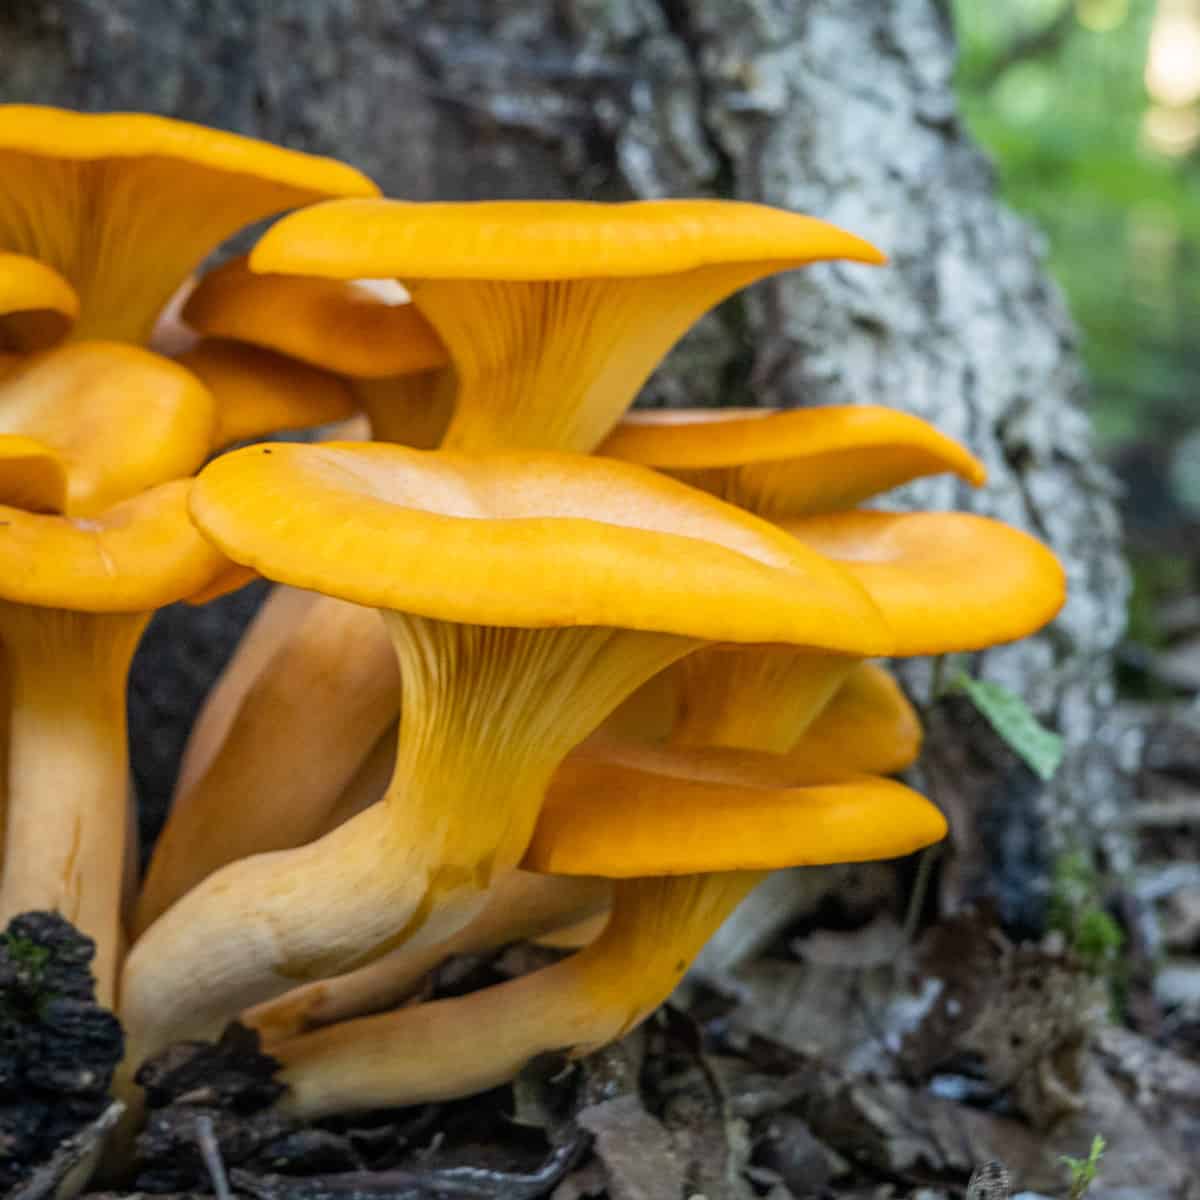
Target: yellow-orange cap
{"type": "Point", "coordinates": [135, 557]}
{"type": "Point", "coordinates": [32, 475]}
{"type": "Point", "coordinates": [618, 821]}
{"type": "Point", "coordinates": [256, 392]}
{"type": "Point", "coordinates": [868, 726]}
{"type": "Point", "coordinates": [37, 305]}
{"type": "Point", "coordinates": [944, 581]}
{"type": "Point", "coordinates": [528, 540]}
{"type": "Point", "coordinates": [544, 239]}
{"type": "Point", "coordinates": [802, 461]}
{"type": "Point", "coordinates": [124, 205]}
{"type": "Point", "coordinates": [339, 325]}
{"type": "Point", "coordinates": [119, 418]}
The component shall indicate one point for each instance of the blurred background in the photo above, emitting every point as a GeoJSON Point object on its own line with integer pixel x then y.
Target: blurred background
{"type": "Point", "coordinates": [1090, 110]}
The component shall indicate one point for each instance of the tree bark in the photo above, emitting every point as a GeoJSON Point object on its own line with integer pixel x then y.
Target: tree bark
{"type": "Point", "coordinates": [842, 108]}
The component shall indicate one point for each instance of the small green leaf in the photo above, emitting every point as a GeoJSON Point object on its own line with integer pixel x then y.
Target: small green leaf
{"type": "Point", "coordinates": [1010, 717]}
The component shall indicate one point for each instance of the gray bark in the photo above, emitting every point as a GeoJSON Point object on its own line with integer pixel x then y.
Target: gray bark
{"type": "Point", "coordinates": [842, 108]}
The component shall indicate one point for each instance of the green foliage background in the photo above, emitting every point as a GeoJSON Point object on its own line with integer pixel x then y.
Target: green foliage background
{"type": "Point", "coordinates": [1055, 90]}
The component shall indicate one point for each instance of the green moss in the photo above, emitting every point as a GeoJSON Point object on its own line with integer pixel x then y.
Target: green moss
{"type": "Point", "coordinates": [25, 953]}
{"type": "Point", "coordinates": [1077, 912]}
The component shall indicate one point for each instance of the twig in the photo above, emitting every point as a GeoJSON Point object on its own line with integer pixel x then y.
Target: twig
{"type": "Point", "coordinates": [448, 1183]}
{"type": "Point", "coordinates": [72, 1154]}
{"type": "Point", "coordinates": [920, 889]}
{"type": "Point", "coordinates": [210, 1152]}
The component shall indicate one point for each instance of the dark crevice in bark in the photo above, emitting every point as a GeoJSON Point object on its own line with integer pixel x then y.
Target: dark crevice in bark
{"type": "Point", "coordinates": [738, 376]}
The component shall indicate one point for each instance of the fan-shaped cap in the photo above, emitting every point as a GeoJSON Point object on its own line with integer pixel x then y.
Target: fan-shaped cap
{"type": "Point", "coordinates": [37, 305]}
{"type": "Point", "coordinates": [544, 239]}
{"type": "Point", "coordinates": [135, 557]}
{"type": "Point", "coordinates": [32, 475]}
{"type": "Point", "coordinates": [795, 462]}
{"type": "Point", "coordinates": [256, 392]}
{"type": "Point", "coordinates": [118, 418]}
{"type": "Point", "coordinates": [554, 313]}
{"type": "Point", "coordinates": [944, 581]}
{"type": "Point", "coordinates": [869, 725]}
{"type": "Point", "coordinates": [618, 821]}
{"type": "Point", "coordinates": [124, 205]}
{"type": "Point", "coordinates": [527, 540]}
{"type": "Point", "coordinates": [340, 325]}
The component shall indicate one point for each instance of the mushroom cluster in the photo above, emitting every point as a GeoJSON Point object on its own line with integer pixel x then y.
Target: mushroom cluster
{"type": "Point", "coordinates": [533, 663]}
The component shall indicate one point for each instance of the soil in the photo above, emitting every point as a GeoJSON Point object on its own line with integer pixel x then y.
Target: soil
{"type": "Point", "coordinates": [842, 1062]}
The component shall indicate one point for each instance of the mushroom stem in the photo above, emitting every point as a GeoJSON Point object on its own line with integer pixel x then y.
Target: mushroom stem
{"type": "Point", "coordinates": [522, 906]}
{"type": "Point", "coordinates": [555, 364]}
{"type": "Point", "coordinates": [489, 714]}
{"type": "Point", "coordinates": [65, 837]}
{"type": "Point", "coordinates": [413, 410]}
{"type": "Point", "coordinates": [282, 610]}
{"type": "Point", "coordinates": [450, 1048]}
{"type": "Point", "coordinates": [333, 670]}
{"type": "Point", "coordinates": [755, 697]}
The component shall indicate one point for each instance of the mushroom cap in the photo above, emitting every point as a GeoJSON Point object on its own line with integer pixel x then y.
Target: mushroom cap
{"type": "Point", "coordinates": [836, 456]}
{"type": "Point", "coordinates": [869, 725]}
{"type": "Point", "coordinates": [529, 540]}
{"type": "Point", "coordinates": [544, 239]}
{"type": "Point", "coordinates": [944, 581]}
{"type": "Point", "coordinates": [256, 391]}
{"type": "Point", "coordinates": [135, 557]}
{"type": "Point", "coordinates": [120, 419]}
{"type": "Point", "coordinates": [37, 305]}
{"type": "Point", "coordinates": [342, 326]}
{"type": "Point", "coordinates": [32, 475]}
{"type": "Point", "coordinates": [621, 821]}
{"type": "Point", "coordinates": [124, 205]}
{"type": "Point", "coordinates": [47, 132]}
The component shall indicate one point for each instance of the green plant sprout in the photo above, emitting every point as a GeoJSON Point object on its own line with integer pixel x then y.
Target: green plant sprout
{"type": "Point", "coordinates": [1083, 1170]}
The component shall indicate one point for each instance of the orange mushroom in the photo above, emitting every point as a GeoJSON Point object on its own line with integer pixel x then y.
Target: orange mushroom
{"type": "Point", "coordinates": [110, 419]}
{"type": "Point", "coordinates": [256, 392]}
{"type": "Point", "coordinates": [945, 582]}
{"type": "Point", "coordinates": [37, 305]}
{"type": "Point", "coordinates": [501, 678]}
{"type": "Point", "coordinates": [338, 325]}
{"type": "Point", "coordinates": [75, 595]}
{"type": "Point", "coordinates": [554, 313]}
{"type": "Point", "coordinates": [869, 726]}
{"type": "Point", "coordinates": [794, 463]}
{"type": "Point", "coordinates": [683, 842]}
{"type": "Point", "coordinates": [522, 906]}
{"type": "Point", "coordinates": [124, 206]}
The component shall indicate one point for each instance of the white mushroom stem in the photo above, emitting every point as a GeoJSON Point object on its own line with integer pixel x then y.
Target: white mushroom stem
{"type": "Point", "coordinates": [489, 714]}
{"type": "Point", "coordinates": [456, 1047]}
{"type": "Point", "coordinates": [520, 907]}
{"type": "Point", "coordinates": [65, 835]}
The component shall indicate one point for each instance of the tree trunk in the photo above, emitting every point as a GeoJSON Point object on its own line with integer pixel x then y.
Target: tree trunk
{"type": "Point", "coordinates": [842, 108]}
